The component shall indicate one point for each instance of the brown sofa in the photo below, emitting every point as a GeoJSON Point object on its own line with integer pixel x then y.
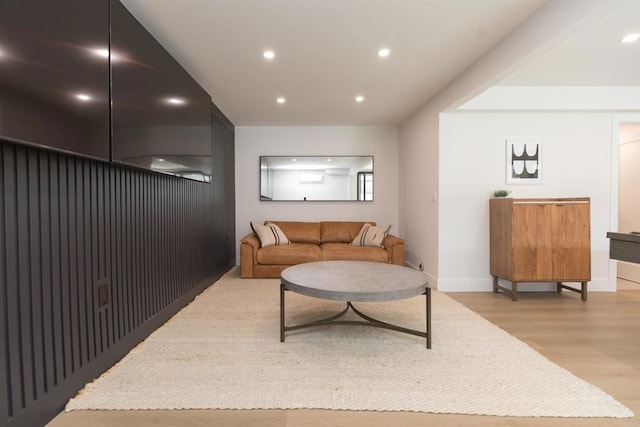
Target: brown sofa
{"type": "Point", "coordinates": [314, 241]}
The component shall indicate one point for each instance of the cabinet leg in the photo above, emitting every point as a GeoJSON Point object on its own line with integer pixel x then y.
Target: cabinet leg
{"type": "Point", "coordinates": [514, 291]}
{"type": "Point", "coordinates": [584, 291]}
{"type": "Point", "coordinates": [559, 287]}
{"type": "Point", "coordinates": [495, 284]}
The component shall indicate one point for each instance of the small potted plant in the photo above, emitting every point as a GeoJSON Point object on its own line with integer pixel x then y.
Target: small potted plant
{"type": "Point", "coordinates": [501, 193]}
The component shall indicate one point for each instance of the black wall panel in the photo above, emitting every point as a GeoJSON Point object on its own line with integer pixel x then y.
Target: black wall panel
{"type": "Point", "coordinates": [69, 225]}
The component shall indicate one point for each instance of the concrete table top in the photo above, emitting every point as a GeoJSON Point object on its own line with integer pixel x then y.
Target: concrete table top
{"type": "Point", "coordinates": [354, 281]}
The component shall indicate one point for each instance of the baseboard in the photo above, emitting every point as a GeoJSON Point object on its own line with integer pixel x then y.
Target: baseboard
{"type": "Point", "coordinates": [432, 280]}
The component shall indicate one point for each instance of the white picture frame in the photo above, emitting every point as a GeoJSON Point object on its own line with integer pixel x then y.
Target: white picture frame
{"type": "Point", "coordinates": [524, 161]}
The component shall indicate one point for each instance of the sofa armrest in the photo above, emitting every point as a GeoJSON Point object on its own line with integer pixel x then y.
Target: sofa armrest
{"type": "Point", "coordinates": [249, 246]}
{"type": "Point", "coordinates": [395, 249]}
{"type": "Point", "coordinates": [251, 240]}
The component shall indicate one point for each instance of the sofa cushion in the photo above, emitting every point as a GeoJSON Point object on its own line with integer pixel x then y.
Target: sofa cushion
{"type": "Point", "coordinates": [340, 231]}
{"type": "Point", "coordinates": [269, 234]}
{"type": "Point", "coordinates": [371, 235]}
{"type": "Point", "coordinates": [344, 251]}
{"type": "Point", "coordinates": [294, 253]}
{"type": "Point", "coordinates": [300, 232]}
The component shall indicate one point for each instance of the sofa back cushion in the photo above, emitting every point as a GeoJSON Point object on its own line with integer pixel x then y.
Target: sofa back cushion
{"type": "Point", "coordinates": [301, 232]}
{"type": "Point", "coordinates": [340, 231]}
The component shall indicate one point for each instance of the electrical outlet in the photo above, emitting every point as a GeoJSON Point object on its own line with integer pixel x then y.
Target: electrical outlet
{"type": "Point", "coordinates": [421, 267]}
{"type": "Point", "coordinates": [103, 295]}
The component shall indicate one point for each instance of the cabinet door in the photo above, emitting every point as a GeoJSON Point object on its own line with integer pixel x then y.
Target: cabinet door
{"type": "Point", "coordinates": [532, 250]}
{"type": "Point", "coordinates": [571, 241]}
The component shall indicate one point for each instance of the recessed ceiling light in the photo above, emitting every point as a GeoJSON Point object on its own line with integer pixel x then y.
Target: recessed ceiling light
{"type": "Point", "coordinates": [359, 98]}
{"type": "Point", "coordinates": [83, 97]}
{"type": "Point", "coordinates": [630, 38]}
{"type": "Point", "coordinates": [281, 100]}
{"type": "Point", "coordinates": [384, 52]}
{"type": "Point", "coordinates": [269, 54]}
{"type": "Point", "coordinates": [175, 101]}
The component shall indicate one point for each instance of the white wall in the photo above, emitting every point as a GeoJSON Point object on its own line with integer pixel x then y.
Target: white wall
{"type": "Point", "coordinates": [419, 191]}
{"type": "Point", "coordinates": [287, 186]}
{"type": "Point", "coordinates": [254, 141]}
{"type": "Point", "coordinates": [421, 163]}
{"type": "Point", "coordinates": [576, 162]}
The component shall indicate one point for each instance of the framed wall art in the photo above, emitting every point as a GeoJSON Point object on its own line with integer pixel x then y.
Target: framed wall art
{"type": "Point", "coordinates": [524, 161]}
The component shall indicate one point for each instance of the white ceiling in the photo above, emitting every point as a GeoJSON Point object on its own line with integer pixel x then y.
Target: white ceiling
{"type": "Point", "coordinates": [591, 55]}
{"type": "Point", "coordinates": [326, 53]}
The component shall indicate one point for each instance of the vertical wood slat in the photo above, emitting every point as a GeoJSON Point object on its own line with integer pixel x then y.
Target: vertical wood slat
{"type": "Point", "coordinates": [12, 326]}
{"type": "Point", "coordinates": [116, 242]}
{"type": "Point", "coordinates": [23, 282]}
{"type": "Point", "coordinates": [144, 248]}
{"type": "Point", "coordinates": [125, 255]}
{"type": "Point", "coordinates": [5, 383]}
{"type": "Point", "coordinates": [81, 264]}
{"type": "Point", "coordinates": [35, 264]}
{"type": "Point", "coordinates": [45, 277]}
{"type": "Point", "coordinates": [110, 318]}
{"type": "Point", "coordinates": [139, 264]}
{"type": "Point", "coordinates": [65, 312]}
{"type": "Point", "coordinates": [161, 266]}
{"type": "Point", "coordinates": [96, 339]}
{"type": "Point", "coordinates": [67, 223]}
{"type": "Point", "coordinates": [89, 260]}
{"type": "Point", "coordinates": [56, 295]}
{"type": "Point", "coordinates": [73, 264]}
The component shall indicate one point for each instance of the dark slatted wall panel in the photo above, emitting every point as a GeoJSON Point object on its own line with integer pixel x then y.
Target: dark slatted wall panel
{"type": "Point", "coordinates": [69, 225]}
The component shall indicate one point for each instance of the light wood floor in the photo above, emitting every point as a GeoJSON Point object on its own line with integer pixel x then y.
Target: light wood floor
{"type": "Point", "coordinates": [599, 341]}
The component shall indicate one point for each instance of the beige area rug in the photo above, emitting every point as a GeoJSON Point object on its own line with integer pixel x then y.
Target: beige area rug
{"type": "Point", "coordinates": [223, 351]}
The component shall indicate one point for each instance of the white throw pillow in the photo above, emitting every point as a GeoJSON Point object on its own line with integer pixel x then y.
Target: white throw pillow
{"type": "Point", "coordinates": [371, 235]}
{"type": "Point", "coordinates": [269, 234]}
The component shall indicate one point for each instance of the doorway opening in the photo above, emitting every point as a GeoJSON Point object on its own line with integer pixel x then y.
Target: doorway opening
{"type": "Point", "coordinates": [629, 197]}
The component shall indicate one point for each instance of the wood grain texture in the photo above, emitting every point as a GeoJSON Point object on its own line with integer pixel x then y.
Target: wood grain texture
{"type": "Point", "coordinates": [540, 240]}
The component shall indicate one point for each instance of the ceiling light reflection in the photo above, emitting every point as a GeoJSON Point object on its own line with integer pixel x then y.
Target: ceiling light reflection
{"type": "Point", "coordinates": [630, 38]}
{"type": "Point", "coordinates": [175, 101]}
{"type": "Point", "coordinates": [102, 53]}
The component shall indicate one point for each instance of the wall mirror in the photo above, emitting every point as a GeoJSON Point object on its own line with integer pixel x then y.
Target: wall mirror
{"type": "Point", "coordinates": [316, 178]}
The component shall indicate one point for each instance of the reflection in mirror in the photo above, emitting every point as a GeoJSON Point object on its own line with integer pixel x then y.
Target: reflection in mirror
{"type": "Point", "coordinates": [162, 118]}
{"type": "Point", "coordinates": [316, 178]}
{"type": "Point", "coordinates": [54, 75]}
{"type": "Point", "coordinates": [193, 167]}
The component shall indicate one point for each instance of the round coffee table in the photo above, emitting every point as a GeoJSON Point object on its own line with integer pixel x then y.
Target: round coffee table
{"type": "Point", "coordinates": [358, 281]}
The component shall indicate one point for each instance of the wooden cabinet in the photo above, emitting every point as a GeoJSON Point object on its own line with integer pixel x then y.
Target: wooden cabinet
{"type": "Point", "coordinates": [540, 240]}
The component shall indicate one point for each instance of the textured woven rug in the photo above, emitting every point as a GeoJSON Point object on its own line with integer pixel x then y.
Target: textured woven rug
{"type": "Point", "coordinates": [223, 352]}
